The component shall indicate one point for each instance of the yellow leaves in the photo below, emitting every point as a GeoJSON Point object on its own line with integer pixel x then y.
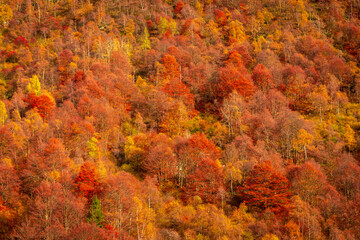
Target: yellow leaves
{"type": "Point", "coordinates": [6, 14]}
{"type": "Point", "coordinates": [259, 43]}
{"type": "Point", "coordinates": [132, 152]}
{"type": "Point", "coordinates": [173, 27]}
{"type": "Point", "coordinates": [72, 67]}
{"type": "Point", "coordinates": [2, 86]}
{"type": "Point", "coordinates": [264, 16]}
{"type": "Point", "coordinates": [144, 219]}
{"type": "Point", "coordinates": [303, 139]}
{"type": "Point", "coordinates": [269, 237]}
{"type": "Point", "coordinates": [130, 28]}
{"type": "Point", "coordinates": [88, 7]}
{"type": "Point", "coordinates": [232, 173]}
{"type": "Point", "coordinates": [236, 31]}
{"type": "Point", "coordinates": [199, 8]}
{"type": "Point", "coordinates": [241, 216]}
{"type": "Point", "coordinates": [3, 113]}
{"type": "Point", "coordinates": [101, 171]}
{"type": "Point", "coordinates": [166, 25]}
{"type": "Point", "coordinates": [145, 42]}
{"type": "Point", "coordinates": [34, 85]}
{"type": "Point", "coordinates": [94, 151]}
{"type": "Point", "coordinates": [8, 162]}
{"type": "Point", "coordinates": [349, 137]}
{"type": "Point", "coordinates": [142, 85]}
{"type": "Point", "coordinates": [54, 175]}
{"type": "Point", "coordinates": [163, 25]}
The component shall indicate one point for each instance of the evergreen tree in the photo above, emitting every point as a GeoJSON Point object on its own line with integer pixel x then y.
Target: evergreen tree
{"type": "Point", "coordinates": [95, 214]}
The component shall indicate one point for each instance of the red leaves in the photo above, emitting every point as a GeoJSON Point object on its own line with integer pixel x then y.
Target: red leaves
{"type": "Point", "coordinates": [205, 181]}
{"type": "Point", "coordinates": [42, 103]}
{"type": "Point", "coordinates": [266, 188]}
{"type": "Point", "coordinates": [231, 79]}
{"type": "Point", "coordinates": [220, 17]}
{"type": "Point", "coordinates": [179, 6]}
{"type": "Point", "coordinates": [262, 77]}
{"type": "Point", "coordinates": [234, 77]}
{"type": "Point", "coordinates": [203, 147]}
{"type": "Point", "coordinates": [86, 183]}
{"type": "Point", "coordinates": [20, 40]}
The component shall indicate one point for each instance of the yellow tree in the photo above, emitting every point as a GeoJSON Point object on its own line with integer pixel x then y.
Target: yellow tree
{"type": "Point", "coordinates": [320, 99]}
{"type": "Point", "coordinates": [349, 138]}
{"type": "Point", "coordinates": [3, 113]}
{"type": "Point", "coordinates": [34, 85]}
{"type": "Point", "coordinates": [6, 14]}
{"type": "Point", "coordinates": [94, 151]}
{"type": "Point", "coordinates": [144, 219]}
{"type": "Point", "coordinates": [236, 31]}
{"type": "Point", "coordinates": [145, 42]}
{"type": "Point", "coordinates": [302, 141]}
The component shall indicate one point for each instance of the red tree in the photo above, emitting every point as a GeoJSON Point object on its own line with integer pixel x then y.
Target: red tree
{"type": "Point", "coordinates": [231, 79]}
{"type": "Point", "coordinates": [86, 183]}
{"type": "Point", "coordinates": [262, 77]}
{"type": "Point", "coordinates": [42, 103]}
{"type": "Point", "coordinates": [179, 6]}
{"type": "Point", "coordinates": [266, 188]}
{"type": "Point", "coordinates": [205, 181]}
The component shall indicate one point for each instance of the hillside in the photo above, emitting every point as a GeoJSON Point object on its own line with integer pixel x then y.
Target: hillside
{"type": "Point", "coordinates": [192, 119]}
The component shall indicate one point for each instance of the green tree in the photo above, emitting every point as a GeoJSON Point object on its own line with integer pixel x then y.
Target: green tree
{"type": "Point", "coordinates": [95, 214]}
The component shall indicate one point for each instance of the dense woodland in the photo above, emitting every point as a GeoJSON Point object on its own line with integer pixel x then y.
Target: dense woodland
{"type": "Point", "coordinates": [190, 119]}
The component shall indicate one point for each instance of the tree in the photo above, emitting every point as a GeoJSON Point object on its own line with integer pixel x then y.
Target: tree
{"type": "Point", "coordinates": [205, 181]}
{"type": "Point", "coordinates": [262, 77]}
{"type": "Point", "coordinates": [43, 104]}
{"type": "Point", "coordinates": [161, 160]}
{"type": "Point", "coordinates": [34, 85]}
{"type": "Point", "coordinates": [308, 181]}
{"type": "Point", "coordinates": [231, 79]}
{"type": "Point", "coordinates": [145, 42]}
{"type": "Point", "coordinates": [3, 113]}
{"type": "Point", "coordinates": [95, 214]}
{"type": "Point", "coordinates": [6, 14]}
{"type": "Point", "coordinates": [320, 100]}
{"type": "Point", "coordinates": [190, 152]}
{"type": "Point", "coordinates": [233, 109]}
{"type": "Point", "coordinates": [302, 142]}
{"type": "Point", "coordinates": [349, 137]}
{"type": "Point", "coordinates": [86, 183]}
{"type": "Point", "coordinates": [266, 188]}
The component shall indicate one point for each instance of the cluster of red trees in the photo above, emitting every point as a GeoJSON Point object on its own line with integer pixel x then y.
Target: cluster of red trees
{"type": "Point", "coordinates": [179, 119]}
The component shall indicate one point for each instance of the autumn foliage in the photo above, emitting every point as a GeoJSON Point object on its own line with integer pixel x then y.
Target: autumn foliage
{"type": "Point", "coordinates": [266, 188]}
{"type": "Point", "coordinates": [162, 119]}
{"type": "Point", "coordinates": [86, 183]}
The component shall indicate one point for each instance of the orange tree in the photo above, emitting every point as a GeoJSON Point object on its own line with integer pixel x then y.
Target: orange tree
{"type": "Point", "coordinates": [266, 188]}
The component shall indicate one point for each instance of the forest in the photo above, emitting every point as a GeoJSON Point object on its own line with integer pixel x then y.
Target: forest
{"type": "Point", "coordinates": [180, 119]}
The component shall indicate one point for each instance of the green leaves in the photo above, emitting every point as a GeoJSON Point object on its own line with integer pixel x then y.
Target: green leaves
{"type": "Point", "coordinates": [95, 214]}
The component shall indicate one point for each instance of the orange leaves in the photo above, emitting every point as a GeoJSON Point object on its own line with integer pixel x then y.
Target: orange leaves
{"type": "Point", "coordinates": [234, 77]}
{"type": "Point", "coordinates": [262, 77]}
{"type": "Point", "coordinates": [172, 83]}
{"type": "Point", "coordinates": [171, 67]}
{"type": "Point", "coordinates": [231, 79]}
{"type": "Point", "coordinates": [205, 181]}
{"type": "Point", "coordinates": [42, 103]}
{"type": "Point", "coordinates": [266, 188]}
{"type": "Point", "coordinates": [220, 17]}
